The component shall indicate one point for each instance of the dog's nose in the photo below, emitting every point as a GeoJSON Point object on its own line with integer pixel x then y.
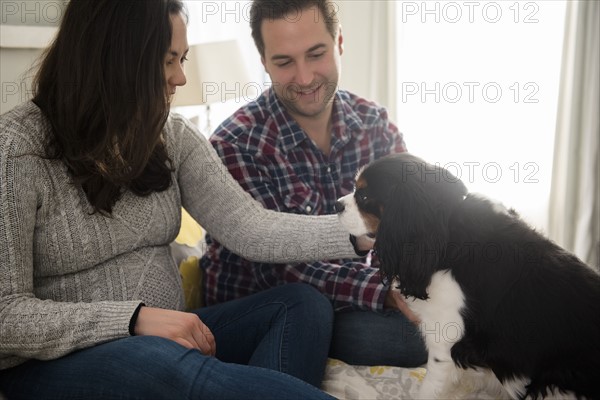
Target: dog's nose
{"type": "Point", "coordinates": [339, 207]}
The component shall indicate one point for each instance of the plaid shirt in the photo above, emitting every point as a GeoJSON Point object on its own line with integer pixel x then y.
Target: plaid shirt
{"type": "Point", "coordinates": [275, 161]}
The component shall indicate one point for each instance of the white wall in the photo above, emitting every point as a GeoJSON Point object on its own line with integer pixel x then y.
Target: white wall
{"type": "Point", "coordinates": [25, 28]}
{"type": "Point", "coordinates": [355, 65]}
{"type": "Point", "coordinates": [367, 64]}
{"type": "Point", "coordinates": [15, 87]}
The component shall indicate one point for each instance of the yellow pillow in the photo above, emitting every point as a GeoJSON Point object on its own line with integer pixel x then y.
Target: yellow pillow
{"type": "Point", "coordinates": [191, 276]}
{"type": "Point", "coordinates": [189, 246]}
{"type": "Point", "coordinates": [190, 232]}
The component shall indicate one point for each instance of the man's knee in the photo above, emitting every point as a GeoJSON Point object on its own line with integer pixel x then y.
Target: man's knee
{"type": "Point", "coordinates": [370, 338]}
{"type": "Point", "coordinates": [313, 302]}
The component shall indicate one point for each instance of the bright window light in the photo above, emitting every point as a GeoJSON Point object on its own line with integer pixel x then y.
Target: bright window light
{"type": "Point", "coordinates": [478, 92]}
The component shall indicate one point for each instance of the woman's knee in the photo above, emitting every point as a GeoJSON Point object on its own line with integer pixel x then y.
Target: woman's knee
{"type": "Point", "coordinates": [155, 355]}
{"type": "Point", "coordinates": [170, 369]}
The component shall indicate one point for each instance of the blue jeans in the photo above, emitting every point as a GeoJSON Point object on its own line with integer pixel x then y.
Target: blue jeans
{"type": "Point", "coordinates": [370, 338]}
{"type": "Point", "coordinates": [279, 332]}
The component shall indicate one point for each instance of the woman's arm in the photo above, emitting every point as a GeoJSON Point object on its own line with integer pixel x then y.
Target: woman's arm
{"type": "Point", "coordinates": [230, 214]}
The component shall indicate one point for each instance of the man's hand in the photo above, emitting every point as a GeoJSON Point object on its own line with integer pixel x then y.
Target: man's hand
{"type": "Point", "coordinates": [181, 327]}
{"type": "Point", "coordinates": [364, 243]}
{"type": "Point", "coordinates": [393, 299]}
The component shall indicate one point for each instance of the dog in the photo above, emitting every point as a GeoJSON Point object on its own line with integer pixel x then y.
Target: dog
{"type": "Point", "coordinates": [490, 292]}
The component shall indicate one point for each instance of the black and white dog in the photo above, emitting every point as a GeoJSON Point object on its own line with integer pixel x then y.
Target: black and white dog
{"type": "Point", "coordinates": [489, 291]}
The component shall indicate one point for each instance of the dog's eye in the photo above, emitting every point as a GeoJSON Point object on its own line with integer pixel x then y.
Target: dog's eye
{"type": "Point", "coordinates": [361, 196]}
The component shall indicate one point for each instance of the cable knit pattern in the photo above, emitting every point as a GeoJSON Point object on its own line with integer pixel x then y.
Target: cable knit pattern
{"type": "Point", "coordinates": [70, 278]}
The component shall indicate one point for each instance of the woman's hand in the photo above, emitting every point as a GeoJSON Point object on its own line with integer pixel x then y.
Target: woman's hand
{"type": "Point", "coordinates": [184, 328]}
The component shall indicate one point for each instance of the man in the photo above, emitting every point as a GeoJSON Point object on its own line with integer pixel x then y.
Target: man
{"type": "Point", "coordinates": [297, 149]}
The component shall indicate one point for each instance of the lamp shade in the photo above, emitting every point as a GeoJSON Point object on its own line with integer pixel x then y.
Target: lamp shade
{"type": "Point", "coordinates": [215, 72]}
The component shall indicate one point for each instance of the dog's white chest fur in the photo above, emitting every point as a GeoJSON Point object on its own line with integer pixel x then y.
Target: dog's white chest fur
{"type": "Point", "coordinates": [441, 322]}
{"type": "Point", "coordinates": [442, 326]}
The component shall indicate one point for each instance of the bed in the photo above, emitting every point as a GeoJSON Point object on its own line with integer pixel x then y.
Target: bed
{"type": "Point", "coordinates": [351, 382]}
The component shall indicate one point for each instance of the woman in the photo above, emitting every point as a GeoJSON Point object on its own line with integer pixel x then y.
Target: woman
{"type": "Point", "coordinates": [93, 174]}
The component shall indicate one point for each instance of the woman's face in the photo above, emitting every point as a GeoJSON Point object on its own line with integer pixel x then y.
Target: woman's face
{"type": "Point", "coordinates": [176, 56]}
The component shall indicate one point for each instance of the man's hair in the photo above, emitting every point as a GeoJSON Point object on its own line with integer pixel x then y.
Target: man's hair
{"type": "Point", "coordinates": [102, 86]}
{"type": "Point", "coordinates": [277, 9]}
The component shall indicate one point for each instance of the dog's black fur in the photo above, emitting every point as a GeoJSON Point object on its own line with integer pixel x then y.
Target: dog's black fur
{"type": "Point", "coordinates": [532, 309]}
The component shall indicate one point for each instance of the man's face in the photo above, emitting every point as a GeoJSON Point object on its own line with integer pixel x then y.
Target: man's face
{"type": "Point", "coordinates": [303, 61]}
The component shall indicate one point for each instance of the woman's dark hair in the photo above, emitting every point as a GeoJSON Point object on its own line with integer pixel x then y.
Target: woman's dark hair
{"type": "Point", "coordinates": [292, 9]}
{"type": "Point", "coordinates": [102, 86]}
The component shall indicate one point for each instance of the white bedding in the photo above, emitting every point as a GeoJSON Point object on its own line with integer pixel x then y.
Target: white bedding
{"type": "Point", "coordinates": [350, 382]}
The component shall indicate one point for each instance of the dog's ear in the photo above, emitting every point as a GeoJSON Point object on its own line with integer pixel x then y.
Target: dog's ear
{"type": "Point", "coordinates": [413, 231]}
{"type": "Point", "coordinates": [409, 242]}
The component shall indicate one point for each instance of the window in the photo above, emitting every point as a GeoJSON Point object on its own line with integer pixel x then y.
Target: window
{"type": "Point", "coordinates": [478, 90]}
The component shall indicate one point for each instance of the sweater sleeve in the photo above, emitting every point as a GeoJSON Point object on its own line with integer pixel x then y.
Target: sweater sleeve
{"type": "Point", "coordinates": [240, 223]}
{"type": "Point", "coordinates": [31, 327]}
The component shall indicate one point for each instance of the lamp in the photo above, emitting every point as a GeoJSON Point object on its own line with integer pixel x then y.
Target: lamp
{"type": "Point", "coordinates": [215, 72]}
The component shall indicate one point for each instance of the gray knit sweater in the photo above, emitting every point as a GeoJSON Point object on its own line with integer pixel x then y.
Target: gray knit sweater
{"type": "Point", "coordinates": [70, 279]}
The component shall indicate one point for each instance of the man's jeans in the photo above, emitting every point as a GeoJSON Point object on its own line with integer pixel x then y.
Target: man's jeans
{"type": "Point", "coordinates": [370, 338]}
